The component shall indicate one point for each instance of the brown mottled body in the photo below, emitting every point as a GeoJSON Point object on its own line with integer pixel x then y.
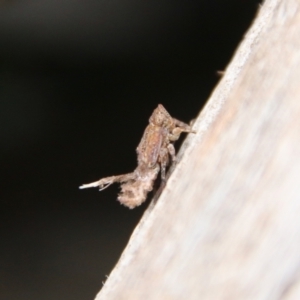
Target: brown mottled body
{"type": "Point", "coordinates": [153, 156]}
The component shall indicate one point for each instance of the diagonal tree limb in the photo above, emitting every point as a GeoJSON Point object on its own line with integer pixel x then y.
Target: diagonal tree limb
{"type": "Point", "coordinates": [227, 224]}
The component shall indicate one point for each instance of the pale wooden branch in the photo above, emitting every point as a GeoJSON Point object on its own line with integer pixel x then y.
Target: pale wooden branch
{"type": "Point", "coordinates": [227, 225]}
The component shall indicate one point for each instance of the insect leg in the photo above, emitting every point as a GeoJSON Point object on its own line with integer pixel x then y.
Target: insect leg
{"type": "Point", "coordinates": [182, 127]}
{"type": "Point", "coordinates": [164, 159]}
{"type": "Point", "coordinates": [171, 150]}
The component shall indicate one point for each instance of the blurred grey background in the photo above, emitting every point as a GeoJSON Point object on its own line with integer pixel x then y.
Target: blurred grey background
{"type": "Point", "coordinates": [78, 82]}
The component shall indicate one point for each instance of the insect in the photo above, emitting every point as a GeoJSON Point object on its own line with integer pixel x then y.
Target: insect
{"type": "Point", "coordinates": [153, 155]}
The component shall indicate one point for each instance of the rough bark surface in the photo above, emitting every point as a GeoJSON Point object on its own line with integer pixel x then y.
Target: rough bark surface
{"type": "Point", "coordinates": [227, 225]}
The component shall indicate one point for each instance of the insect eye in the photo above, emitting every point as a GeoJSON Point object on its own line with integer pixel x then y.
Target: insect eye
{"type": "Point", "coordinates": [151, 165]}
